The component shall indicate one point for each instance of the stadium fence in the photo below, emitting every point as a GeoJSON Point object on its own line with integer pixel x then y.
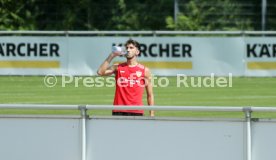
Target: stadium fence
{"type": "Point", "coordinates": [104, 137]}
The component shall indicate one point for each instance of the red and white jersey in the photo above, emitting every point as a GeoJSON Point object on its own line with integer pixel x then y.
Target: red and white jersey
{"type": "Point", "coordinates": [130, 84]}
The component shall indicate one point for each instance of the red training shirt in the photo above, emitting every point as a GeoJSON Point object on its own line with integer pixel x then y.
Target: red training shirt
{"type": "Point", "coordinates": [130, 84]}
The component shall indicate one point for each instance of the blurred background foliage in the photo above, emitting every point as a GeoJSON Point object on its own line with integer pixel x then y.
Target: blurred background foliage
{"type": "Point", "coordinates": [84, 15]}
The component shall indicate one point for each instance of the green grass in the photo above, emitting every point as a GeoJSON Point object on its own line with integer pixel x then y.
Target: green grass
{"type": "Point", "coordinates": [244, 92]}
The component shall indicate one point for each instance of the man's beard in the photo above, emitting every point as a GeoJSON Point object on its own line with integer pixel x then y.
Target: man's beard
{"type": "Point", "coordinates": [129, 57]}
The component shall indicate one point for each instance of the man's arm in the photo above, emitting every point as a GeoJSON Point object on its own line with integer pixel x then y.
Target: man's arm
{"type": "Point", "coordinates": [105, 68]}
{"type": "Point", "coordinates": [149, 89]}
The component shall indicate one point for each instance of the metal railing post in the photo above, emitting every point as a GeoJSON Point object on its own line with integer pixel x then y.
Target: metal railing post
{"type": "Point", "coordinates": [84, 116]}
{"type": "Point", "coordinates": [247, 112]}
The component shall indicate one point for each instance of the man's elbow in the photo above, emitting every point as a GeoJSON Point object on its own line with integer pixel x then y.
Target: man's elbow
{"type": "Point", "coordinates": [100, 73]}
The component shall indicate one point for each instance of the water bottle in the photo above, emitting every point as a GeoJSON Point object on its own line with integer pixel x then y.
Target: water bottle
{"type": "Point", "coordinates": [122, 50]}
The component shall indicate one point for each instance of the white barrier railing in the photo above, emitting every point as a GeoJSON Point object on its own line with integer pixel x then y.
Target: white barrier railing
{"type": "Point", "coordinates": [83, 110]}
{"type": "Point", "coordinates": [155, 33]}
{"type": "Point", "coordinates": [110, 107]}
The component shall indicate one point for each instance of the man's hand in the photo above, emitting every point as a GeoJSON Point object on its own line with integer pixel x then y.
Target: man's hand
{"type": "Point", "coordinates": [151, 113]}
{"type": "Point", "coordinates": [115, 54]}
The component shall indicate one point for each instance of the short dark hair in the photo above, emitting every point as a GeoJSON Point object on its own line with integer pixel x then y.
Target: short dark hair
{"type": "Point", "coordinates": [135, 43]}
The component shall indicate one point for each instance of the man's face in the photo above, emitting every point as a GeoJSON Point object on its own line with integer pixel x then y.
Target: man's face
{"type": "Point", "coordinates": [132, 51]}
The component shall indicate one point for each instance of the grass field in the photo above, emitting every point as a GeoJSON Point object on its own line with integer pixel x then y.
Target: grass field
{"type": "Point", "coordinates": [244, 92]}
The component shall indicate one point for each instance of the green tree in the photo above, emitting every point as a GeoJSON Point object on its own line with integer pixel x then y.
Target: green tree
{"type": "Point", "coordinates": [209, 15]}
{"type": "Point", "coordinates": [17, 15]}
{"type": "Point", "coordinates": [140, 14]}
{"type": "Point", "coordinates": [62, 14]}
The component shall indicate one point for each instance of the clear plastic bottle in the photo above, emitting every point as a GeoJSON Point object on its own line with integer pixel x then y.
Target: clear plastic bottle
{"type": "Point", "coordinates": [120, 49]}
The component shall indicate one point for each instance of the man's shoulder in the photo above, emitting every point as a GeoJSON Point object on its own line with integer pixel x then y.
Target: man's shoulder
{"type": "Point", "coordinates": [141, 66]}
